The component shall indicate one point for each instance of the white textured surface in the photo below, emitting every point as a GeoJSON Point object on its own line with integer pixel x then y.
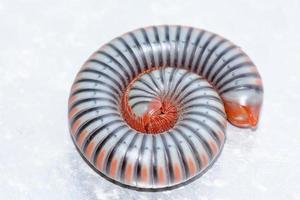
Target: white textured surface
{"type": "Point", "coordinates": [43, 44]}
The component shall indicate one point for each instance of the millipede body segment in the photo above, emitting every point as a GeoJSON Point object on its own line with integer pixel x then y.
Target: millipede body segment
{"type": "Point", "coordinates": [147, 110]}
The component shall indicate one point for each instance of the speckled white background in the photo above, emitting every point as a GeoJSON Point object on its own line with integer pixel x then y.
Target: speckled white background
{"type": "Point", "coordinates": [43, 44]}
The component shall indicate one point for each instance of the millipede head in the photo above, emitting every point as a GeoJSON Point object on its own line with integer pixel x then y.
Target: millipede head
{"type": "Point", "coordinates": [243, 107]}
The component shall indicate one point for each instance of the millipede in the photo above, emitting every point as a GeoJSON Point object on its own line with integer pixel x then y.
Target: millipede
{"type": "Point", "coordinates": [149, 109]}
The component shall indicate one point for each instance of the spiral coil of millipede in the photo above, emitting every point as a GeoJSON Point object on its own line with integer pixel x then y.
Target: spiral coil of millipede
{"type": "Point", "coordinates": [147, 110]}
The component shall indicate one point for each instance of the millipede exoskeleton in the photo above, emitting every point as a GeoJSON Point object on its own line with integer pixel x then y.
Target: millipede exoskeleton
{"type": "Point", "coordinates": [147, 110]}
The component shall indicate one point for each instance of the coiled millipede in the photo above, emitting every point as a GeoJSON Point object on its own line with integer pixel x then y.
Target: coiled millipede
{"type": "Point", "coordinates": [147, 110]}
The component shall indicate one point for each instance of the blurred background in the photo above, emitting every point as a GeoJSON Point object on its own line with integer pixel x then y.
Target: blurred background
{"type": "Point", "coordinates": [44, 43]}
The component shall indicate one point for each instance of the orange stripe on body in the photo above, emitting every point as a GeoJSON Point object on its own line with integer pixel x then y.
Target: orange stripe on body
{"type": "Point", "coordinates": [72, 113]}
{"type": "Point", "coordinates": [144, 174]}
{"type": "Point", "coordinates": [253, 69]}
{"type": "Point", "coordinates": [100, 159]}
{"type": "Point", "coordinates": [258, 82]}
{"type": "Point", "coordinates": [75, 126]}
{"type": "Point", "coordinates": [221, 136]}
{"type": "Point", "coordinates": [204, 160]}
{"type": "Point", "coordinates": [192, 166]}
{"type": "Point", "coordinates": [177, 173]}
{"type": "Point", "coordinates": [128, 173]}
{"type": "Point", "coordinates": [81, 137]}
{"type": "Point", "coordinates": [72, 100]}
{"type": "Point", "coordinates": [213, 148]}
{"type": "Point", "coordinates": [89, 149]}
{"type": "Point", "coordinates": [113, 168]}
{"type": "Point", "coordinates": [161, 176]}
